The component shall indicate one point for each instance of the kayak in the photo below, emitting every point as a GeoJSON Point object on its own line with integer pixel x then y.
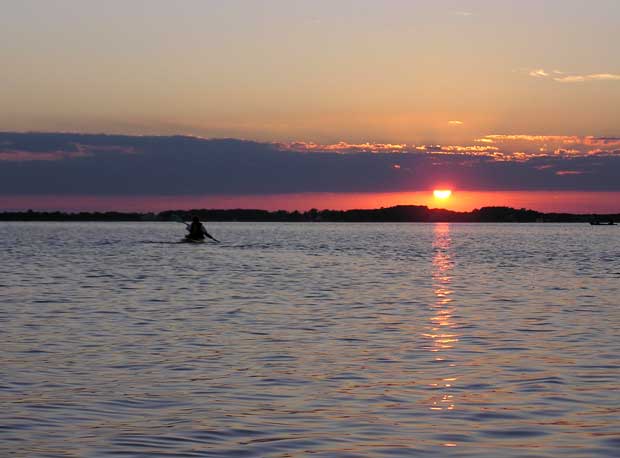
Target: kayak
{"type": "Point", "coordinates": [187, 239]}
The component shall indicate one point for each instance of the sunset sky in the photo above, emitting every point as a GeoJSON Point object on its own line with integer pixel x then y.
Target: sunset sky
{"type": "Point", "coordinates": [341, 104]}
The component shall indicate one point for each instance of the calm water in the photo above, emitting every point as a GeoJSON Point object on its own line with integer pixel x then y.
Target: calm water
{"type": "Point", "coordinates": [323, 340]}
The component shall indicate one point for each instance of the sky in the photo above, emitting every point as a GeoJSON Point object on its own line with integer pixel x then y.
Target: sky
{"type": "Point", "coordinates": [347, 103]}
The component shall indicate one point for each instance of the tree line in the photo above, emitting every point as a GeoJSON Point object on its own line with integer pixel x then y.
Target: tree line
{"type": "Point", "coordinates": [399, 213]}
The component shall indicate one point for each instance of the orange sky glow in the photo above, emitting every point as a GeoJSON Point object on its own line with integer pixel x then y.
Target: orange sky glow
{"type": "Point", "coordinates": [545, 201]}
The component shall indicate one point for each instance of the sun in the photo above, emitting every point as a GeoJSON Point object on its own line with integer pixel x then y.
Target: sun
{"type": "Point", "coordinates": [442, 194]}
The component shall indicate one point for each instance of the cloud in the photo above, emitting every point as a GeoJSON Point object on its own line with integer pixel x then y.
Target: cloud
{"type": "Point", "coordinates": [465, 149]}
{"type": "Point", "coordinates": [603, 76]}
{"type": "Point", "coordinates": [602, 141]}
{"type": "Point", "coordinates": [113, 165]}
{"type": "Point", "coordinates": [344, 147]}
{"type": "Point", "coordinates": [566, 152]}
{"type": "Point", "coordinates": [527, 146]}
{"type": "Point", "coordinates": [571, 79]}
{"type": "Point", "coordinates": [602, 152]}
{"type": "Point", "coordinates": [575, 78]}
{"type": "Point", "coordinates": [455, 123]}
{"type": "Point", "coordinates": [538, 73]}
{"type": "Point", "coordinates": [566, 139]}
{"type": "Point", "coordinates": [463, 13]}
{"type": "Point", "coordinates": [583, 78]}
{"type": "Point", "coordinates": [73, 150]}
{"type": "Point", "coordinates": [399, 148]}
{"type": "Point", "coordinates": [27, 156]}
{"type": "Point", "coordinates": [547, 140]}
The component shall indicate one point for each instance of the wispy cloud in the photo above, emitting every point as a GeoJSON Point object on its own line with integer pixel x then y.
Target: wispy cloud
{"type": "Point", "coordinates": [538, 73]}
{"type": "Point", "coordinates": [583, 78]}
{"type": "Point", "coordinates": [463, 13]}
{"type": "Point", "coordinates": [455, 123]}
{"type": "Point", "coordinates": [567, 139]}
{"type": "Point", "coordinates": [562, 77]}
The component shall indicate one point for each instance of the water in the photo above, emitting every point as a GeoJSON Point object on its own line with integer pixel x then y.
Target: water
{"type": "Point", "coordinates": [323, 340]}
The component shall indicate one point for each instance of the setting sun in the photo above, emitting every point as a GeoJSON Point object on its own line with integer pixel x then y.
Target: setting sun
{"type": "Point", "coordinates": [442, 193]}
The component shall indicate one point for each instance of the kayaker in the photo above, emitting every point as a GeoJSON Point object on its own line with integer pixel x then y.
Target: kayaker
{"type": "Point", "coordinates": [197, 231]}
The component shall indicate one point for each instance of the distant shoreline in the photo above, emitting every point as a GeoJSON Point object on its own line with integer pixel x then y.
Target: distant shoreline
{"type": "Point", "coordinates": [399, 213]}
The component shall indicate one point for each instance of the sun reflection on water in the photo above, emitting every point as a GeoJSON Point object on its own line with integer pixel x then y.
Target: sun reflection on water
{"type": "Point", "coordinates": [441, 327]}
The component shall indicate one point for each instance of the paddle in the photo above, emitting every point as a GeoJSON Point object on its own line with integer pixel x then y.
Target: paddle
{"type": "Point", "coordinates": [209, 235]}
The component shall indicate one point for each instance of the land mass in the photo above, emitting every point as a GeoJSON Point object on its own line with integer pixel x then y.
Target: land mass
{"type": "Point", "coordinates": [399, 213]}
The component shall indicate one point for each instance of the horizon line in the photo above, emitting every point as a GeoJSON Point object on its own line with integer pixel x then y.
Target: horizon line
{"type": "Point", "coordinates": [316, 209]}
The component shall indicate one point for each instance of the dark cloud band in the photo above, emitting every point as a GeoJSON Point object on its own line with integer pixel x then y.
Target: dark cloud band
{"type": "Point", "coordinates": [78, 164]}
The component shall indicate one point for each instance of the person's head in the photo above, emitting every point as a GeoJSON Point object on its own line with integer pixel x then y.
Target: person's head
{"type": "Point", "coordinates": [195, 219]}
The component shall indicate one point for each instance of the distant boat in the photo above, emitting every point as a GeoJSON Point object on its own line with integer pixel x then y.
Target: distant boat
{"type": "Point", "coordinates": [598, 223]}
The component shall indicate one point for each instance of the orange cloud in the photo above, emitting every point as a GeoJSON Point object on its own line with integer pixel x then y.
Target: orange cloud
{"type": "Point", "coordinates": [582, 78]}
{"type": "Point", "coordinates": [471, 149]}
{"type": "Point", "coordinates": [538, 73]}
{"type": "Point", "coordinates": [532, 138]}
{"type": "Point", "coordinates": [523, 146]}
{"type": "Point", "coordinates": [541, 73]}
{"type": "Point", "coordinates": [345, 147]}
{"type": "Point", "coordinates": [498, 147]}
